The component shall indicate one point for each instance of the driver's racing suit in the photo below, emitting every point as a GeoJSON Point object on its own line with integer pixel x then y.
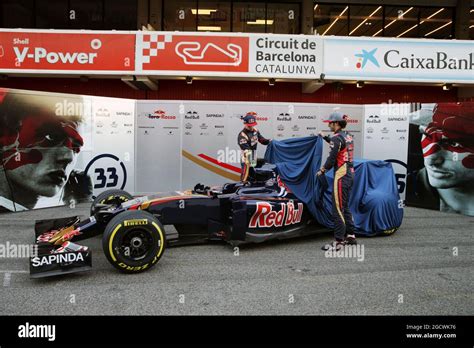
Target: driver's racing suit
{"type": "Point", "coordinates": [341, 158]}
{"type": "Point", "coordinates": [248, 141]}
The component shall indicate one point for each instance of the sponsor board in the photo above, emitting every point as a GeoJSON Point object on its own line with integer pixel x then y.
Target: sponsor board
{"type": "Point", "coordinates": [191, 52]}
{"type": "Point", "coordinates": [398, 59]}
{"type": "Point", "coordinates": [286, 56]}
{"type": "Point", "coordinates": [236, 54]}
{"type": "Point", "coordinates": [386, 133]}
{"type": "Point", "coordinates": [66, 51]}
{"type": "Point", "coordinates": [229, 54]}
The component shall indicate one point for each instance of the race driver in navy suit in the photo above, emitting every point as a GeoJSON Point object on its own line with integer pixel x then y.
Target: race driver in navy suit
{"type": "Point", "coordinates": [341, 158]}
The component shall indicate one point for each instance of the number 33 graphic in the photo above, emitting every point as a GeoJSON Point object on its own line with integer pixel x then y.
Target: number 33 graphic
{"type": "Point", "coordinates": [106, 181]}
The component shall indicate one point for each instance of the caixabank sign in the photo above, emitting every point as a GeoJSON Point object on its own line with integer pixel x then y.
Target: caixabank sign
{"type": "Point", "coordinates": [416, 60]}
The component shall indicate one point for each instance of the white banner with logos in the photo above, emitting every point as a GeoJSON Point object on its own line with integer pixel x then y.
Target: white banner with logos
{"type": "Point", "coordinates": [386, 137]}
{"type": "Point", "coordinates": [410, 60]}
{"type": "Point", "coordinates": [113, 162]}
{"type": "Point", "coordinates": [107, 158]}
{"type": "Point", "coordinates": [182, 143]}
{"type": "Point", "coordinates": [154, 145]}
{"type": "Point", "coordinates": [66, 148]}
{"type": "Point", "coordinates": [158, 146]}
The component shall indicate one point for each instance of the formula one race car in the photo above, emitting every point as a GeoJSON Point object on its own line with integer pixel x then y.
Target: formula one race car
{"type": "Point", "coordinates": [133, 235]}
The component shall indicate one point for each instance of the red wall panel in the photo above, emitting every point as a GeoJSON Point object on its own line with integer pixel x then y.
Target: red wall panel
{"type": "Point", "coordinates": [238, 91]}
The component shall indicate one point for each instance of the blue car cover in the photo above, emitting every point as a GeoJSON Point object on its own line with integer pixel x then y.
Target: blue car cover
{"type": "Point", "coordinates": [374, 200]}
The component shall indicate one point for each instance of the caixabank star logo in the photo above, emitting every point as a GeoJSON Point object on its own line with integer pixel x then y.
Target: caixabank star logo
{"type": "Point", "coordinates": [366, 56]}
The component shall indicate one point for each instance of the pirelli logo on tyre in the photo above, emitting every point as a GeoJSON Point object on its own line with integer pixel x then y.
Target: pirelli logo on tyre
{"type": "Point", "coordinates": [133, 268]}
{"type": "Point", "coordinates": [135, 222]}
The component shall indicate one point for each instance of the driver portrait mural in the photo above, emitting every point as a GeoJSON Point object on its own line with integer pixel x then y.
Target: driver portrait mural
{"type": "Point", "coordinates": [39, 144]}
{"type": "Point", "coordinates": [446, 142]}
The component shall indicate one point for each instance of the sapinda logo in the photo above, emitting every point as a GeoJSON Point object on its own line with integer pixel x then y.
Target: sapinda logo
{"type": "Point", "coordinates": [265, 216]}
{"type": "Point", "coordinates": [40, 54]}
{"type": "Point", "coordinates": [57, 258]}
{"type": "Point", "coordinates": [160, 114]}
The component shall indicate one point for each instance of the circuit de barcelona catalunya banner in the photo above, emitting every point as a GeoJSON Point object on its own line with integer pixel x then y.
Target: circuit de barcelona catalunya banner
{"type": "Point", "coordinates": [350, 58]}
{"type": "Point", "coordinates": [228, 54]}
{"type": "Point", "coordinates": [66, 51]}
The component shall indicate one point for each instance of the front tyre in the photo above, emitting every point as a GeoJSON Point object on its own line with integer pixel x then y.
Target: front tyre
{"type": "Point", "coordinates": [134, 241]}
{"type": "Point", "coordinates": [114, 197]}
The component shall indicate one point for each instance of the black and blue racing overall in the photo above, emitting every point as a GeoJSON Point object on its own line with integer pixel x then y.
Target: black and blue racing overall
{"type": "Point", "coordinates": [248, 140]}
{"type": "Point", "coordinates": [341, 158]}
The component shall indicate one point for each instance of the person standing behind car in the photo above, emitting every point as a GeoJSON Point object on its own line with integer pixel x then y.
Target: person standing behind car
{"type": "Point", "coordinates": [248, 139]}
{"type": "Point", "coordinates": [341, 158]}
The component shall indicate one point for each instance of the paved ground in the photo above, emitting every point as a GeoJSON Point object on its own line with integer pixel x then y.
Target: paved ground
{"type": "Point", "coordinates": [412, 272]}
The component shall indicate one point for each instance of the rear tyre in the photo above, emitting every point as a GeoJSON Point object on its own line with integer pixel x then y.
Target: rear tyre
{"type": "Point", "coordinates": [134, 241]}
{"type": "Point", "coordinates": [115, 197]}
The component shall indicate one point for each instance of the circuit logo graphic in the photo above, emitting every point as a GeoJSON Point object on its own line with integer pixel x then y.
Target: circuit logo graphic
{"type": "Point", "coordinates": [366, 56]}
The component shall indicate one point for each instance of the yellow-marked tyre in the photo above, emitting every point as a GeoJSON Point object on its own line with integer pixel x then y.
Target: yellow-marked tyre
{"type": "Point", "coordinates": [390, 231]}
{"type": "Point", "coordinates": [134, 241]}
{"type": "Point", "coordinates": [110, 197]}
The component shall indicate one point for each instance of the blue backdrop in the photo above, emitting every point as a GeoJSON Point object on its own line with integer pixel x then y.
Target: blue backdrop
{"type": "Point", "coordinates": [374, 200]}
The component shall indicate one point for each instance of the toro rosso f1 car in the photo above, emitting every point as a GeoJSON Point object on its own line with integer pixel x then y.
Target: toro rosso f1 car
{"type": "Point", "coordinates": [134, 239]}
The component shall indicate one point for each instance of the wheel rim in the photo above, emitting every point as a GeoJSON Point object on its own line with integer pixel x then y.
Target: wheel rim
{"type": "Point", "coordinates": [136, 244]}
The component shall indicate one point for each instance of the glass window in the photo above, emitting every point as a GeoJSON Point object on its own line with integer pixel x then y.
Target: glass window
{"type": "Point", "coordinates": [17, 14]}
{"type": "Point", "coordinates": [249, 17]}
{"type": "Point", "coordinates": [436, 23]}
{"type": "Point", "coordinates": [365, 20]}
{"type": "Point", "coordinates": [120, 14]}
{"type": "Point", "coordinates": [401, 21]}
{"type": "Point", "coordinates": [283, 18]}
{"type": "Point", "coordinates": [471, 24]}
{"type": "Point", "coordinates": [52, 14]}
{"type": "Point", "coordinates": [214, 16]}
{"type": "Point", "coordinates": [331, 19]}
{"type": "Point", "coordinates": [179, 15]}
{"type": "Point", "coordinates": [88, 14]}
